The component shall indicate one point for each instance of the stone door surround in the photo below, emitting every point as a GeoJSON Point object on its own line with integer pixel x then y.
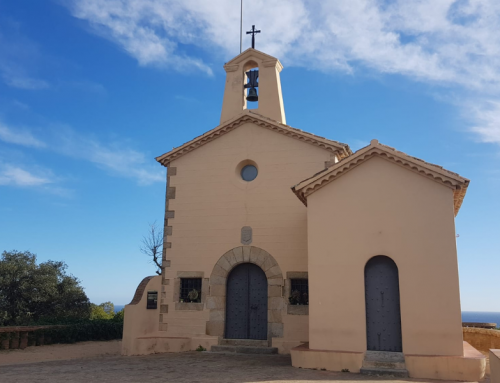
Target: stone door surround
{"type": "Point", "coordinates": [216, 301]}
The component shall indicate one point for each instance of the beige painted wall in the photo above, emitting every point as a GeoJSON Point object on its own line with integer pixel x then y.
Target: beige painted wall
{"type": "Point", "coordinates": [381, 208]}
{"type": "Point", "coordinates": [140, 322]}
{"type": "Point", "coordinates": [212, 204]}
{"type": "Point", "coordinates": [495, 365]}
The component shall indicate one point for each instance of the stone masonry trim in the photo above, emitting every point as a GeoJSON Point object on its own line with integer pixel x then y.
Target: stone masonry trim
{"type": "Point", "coordinates": [216, 300]}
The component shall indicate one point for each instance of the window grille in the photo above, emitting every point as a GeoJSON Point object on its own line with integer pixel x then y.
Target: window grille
{"type": "Point", "coordinates": [299, 293]}
{"type": "Point", "coordinates": [190, 290]}
{"type": "Point", "coordinates": [152, 300]}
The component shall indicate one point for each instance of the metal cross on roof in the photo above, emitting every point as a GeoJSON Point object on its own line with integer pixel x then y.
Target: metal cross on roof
{"type": "Point", "coordinates": [253, 32]}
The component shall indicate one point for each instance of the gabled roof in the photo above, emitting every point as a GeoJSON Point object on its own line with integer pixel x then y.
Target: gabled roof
{"type": "Point", "coordinates": [342, 150]}
{"type": "Point", "coordinates": [253, 53]}
{"type": "Point", "coordinates": [426, 169]}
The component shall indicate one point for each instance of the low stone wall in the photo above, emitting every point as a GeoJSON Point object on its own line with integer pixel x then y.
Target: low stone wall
{"type": "Point", "coordinates": [482, 339]}
{"type": "Point", "coordinates": [14, 337]}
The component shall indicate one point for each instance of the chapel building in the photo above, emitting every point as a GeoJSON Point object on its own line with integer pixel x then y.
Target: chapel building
{"type": "Point", "coordinates": [278, 240]}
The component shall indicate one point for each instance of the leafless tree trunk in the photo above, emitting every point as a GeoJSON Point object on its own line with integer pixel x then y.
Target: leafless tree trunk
{"type": "Point", "coordinates": [152, 245]}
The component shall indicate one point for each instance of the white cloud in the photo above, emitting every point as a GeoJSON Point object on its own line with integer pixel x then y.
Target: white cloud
{"type": "Point", "coordinates": [32, 177]}
{"type": "Point", "coordinates": [446, 41]}
{"type": "Point", "coordinates": [15, 175]}
{"type": "Point", "coordinates": [21, 82]}
{"type": "Point", "coordinates": [451, 43]}
{"type": "Point", "coordinates": [86, 86]}
{"type": "Point", "coordinates": [139, 28]}
{"type": "Point", "coordinates": [19, 59]}
{"type": "Point", "coordinates": [19, 137]}
{"type": "Point", "coordinates": [487, 121]}
{"type": "Point", "coordinates": [116, 157]}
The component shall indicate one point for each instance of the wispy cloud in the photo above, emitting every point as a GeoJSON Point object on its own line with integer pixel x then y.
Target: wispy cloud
{"type": "Point", "coordinates": [138, 28]}
{"type": "Point", "coordinates": [486, 118]}
{"type": "Point", "coordinates": [19, 59]}
{"type": "Point", "coordinates": [86, 86]}
{"type": "Point", "coordinates": [115, 157]}
{"type": "Point", "coordinates": [17, 80]}
{"type": "Point", "coordinates": [19, 137]}
{"type": "Point", "coordinates": [17, 176]}
{"type": "Point", "coordinates": [32, 177]}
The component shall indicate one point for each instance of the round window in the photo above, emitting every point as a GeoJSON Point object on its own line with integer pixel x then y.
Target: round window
{"type": "Point", "coordinates": [249, 173]}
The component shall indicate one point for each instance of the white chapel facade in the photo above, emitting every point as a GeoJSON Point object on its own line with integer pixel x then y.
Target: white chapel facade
{"type": "Point", "coordinates": [280, 239]}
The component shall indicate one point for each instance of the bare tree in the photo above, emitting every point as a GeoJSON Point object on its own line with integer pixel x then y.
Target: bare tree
{"type": "Point", "coordinates": [152, 245]}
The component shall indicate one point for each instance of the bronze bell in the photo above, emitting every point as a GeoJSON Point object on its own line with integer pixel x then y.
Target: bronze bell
{"type": "Point", "coordinates": [252, 95]}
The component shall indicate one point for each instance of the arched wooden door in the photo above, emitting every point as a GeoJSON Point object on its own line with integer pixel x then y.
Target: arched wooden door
{"type": "Point", "coordinates": [383, 315]}
{"type": "Point", "coordinates": [246, 303]}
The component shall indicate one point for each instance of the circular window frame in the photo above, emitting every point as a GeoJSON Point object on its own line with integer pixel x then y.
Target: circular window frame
{"type": "Point", "coordinates": [249, 177]}
{"type": "Point", "coordinates": [240, 167]}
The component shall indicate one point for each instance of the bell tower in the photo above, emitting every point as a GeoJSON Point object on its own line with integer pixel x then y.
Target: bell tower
{"type": "Point", "coordinates": [264, 86]}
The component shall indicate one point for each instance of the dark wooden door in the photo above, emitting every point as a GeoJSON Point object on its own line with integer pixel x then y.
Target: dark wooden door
{"type": "Point", "coordinates": [383, 316]}
{"type": "Point", "coordinates": [246, 303]}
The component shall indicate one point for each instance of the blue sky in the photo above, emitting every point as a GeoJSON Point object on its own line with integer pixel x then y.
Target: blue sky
{"type": "Point", "coordinates": [92, 91]}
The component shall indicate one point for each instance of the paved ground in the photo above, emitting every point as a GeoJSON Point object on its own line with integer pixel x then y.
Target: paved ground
{"type": "Point", "coordinates": [56, 352]}
{"type": "Point", "coordinates": [187, 367]}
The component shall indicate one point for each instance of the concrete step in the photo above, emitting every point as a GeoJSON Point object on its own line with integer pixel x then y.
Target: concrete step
{"type": "Point", "coordinates": [245, 349]}
{"type": "Point", "coordinates": [399, 373]}
{"type": "Point", "coordinates": [244, 342]}
{"type": "Point", "coordinates": [384, 356]}
{"type": "Point", "coordinates": [383, 364]}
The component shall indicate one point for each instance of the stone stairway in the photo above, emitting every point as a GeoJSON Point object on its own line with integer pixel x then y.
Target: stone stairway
{"type": "Point", "coordinates": [244, 346]}
{"type": "Point", "coordinates": [384, 363]}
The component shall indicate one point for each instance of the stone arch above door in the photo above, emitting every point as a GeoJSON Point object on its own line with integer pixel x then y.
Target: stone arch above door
{"type": "Point", "coordinates": [216, 301]}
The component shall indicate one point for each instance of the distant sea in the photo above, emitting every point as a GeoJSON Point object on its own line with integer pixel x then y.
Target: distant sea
{"type": "Point", "coordinates": [479, 316]}
{"type": "Point", "coordinates": [467, 316]}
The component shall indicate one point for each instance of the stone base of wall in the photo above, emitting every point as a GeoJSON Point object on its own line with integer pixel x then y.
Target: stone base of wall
{"type": "Point", "coordinates": [304, 357]}
{"type": "Point", "coordinates": [284, 346]}
{"type": "Point", "coordinates": [161, 344]}
{"type": "Point", "coordinates": [204, 341]}
{"type": "Point", "coordinates": [470, 367]}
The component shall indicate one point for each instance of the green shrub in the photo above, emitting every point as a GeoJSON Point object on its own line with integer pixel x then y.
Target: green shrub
{"type": "Point", "coordinates": [4, 336]}
{"type": "Point", "coordinates": [83, 331]}
{"type": "Point", "coordinates": [105, 310]}
{"type": "Point", "coordinates": [119, 316]}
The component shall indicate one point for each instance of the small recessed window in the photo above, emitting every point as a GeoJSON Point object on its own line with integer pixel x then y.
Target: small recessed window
{"type": "Point", "coordinates": [249, 173]}
{"type": "Point", "coordinates": [152, 300]}
{"type": "Point", "coordinates": [299, 292]}
{"type": "Point", "coordinates": [190, 290]}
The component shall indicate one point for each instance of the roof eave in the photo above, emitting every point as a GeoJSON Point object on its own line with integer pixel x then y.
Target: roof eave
{"type": "Point", "coordinates": [303, 189]}
{"type": "Point", "coordinates": [340, 149]}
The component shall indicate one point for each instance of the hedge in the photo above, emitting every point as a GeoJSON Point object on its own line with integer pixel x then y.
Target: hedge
{"type": "Point", "coordinates": [82, 332]}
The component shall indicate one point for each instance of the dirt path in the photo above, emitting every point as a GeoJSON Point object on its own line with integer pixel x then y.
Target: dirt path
{"type": "Point", "coordinates": [60, 352]}
{"type": "Point", "coordinates": [106, 365]}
